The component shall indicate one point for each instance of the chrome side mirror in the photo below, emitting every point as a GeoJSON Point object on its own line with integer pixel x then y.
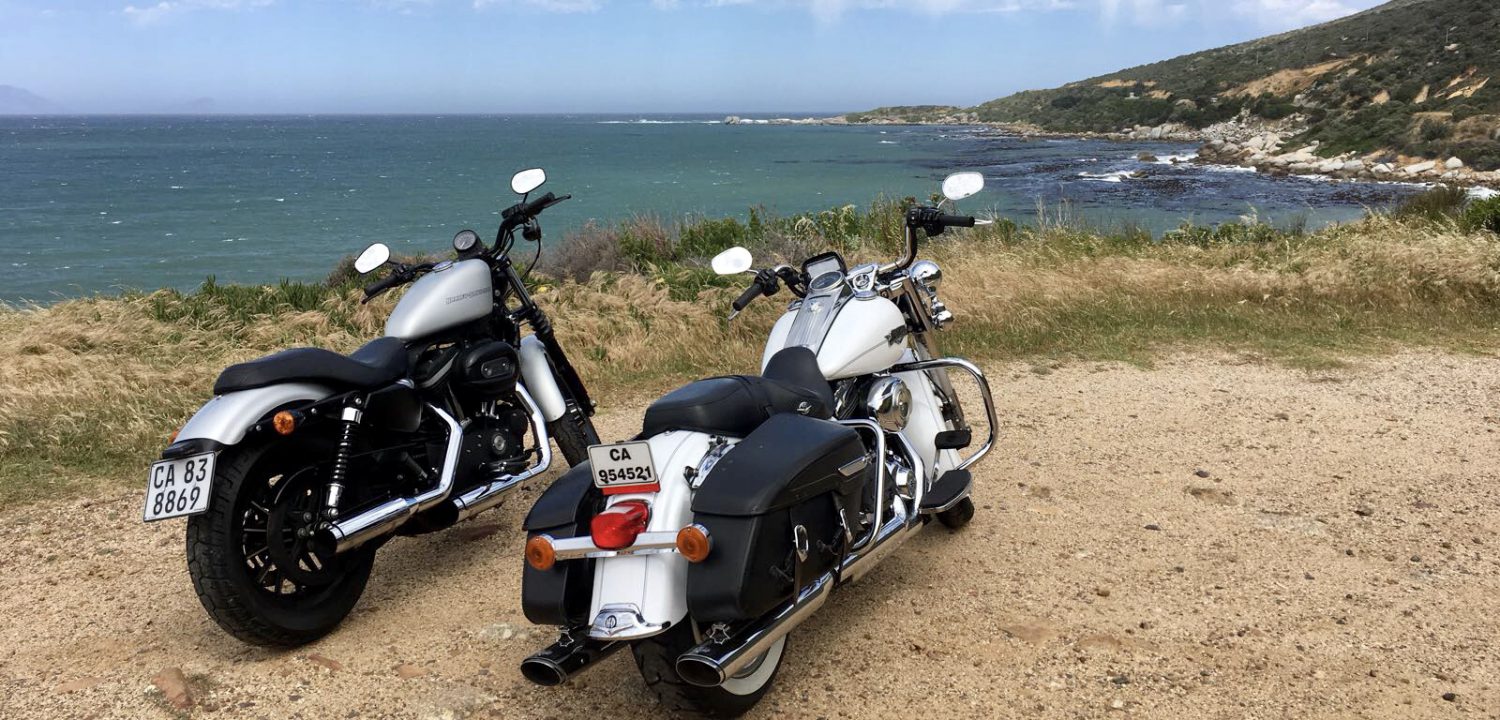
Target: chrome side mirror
{"type": "Point", "coordinates": [733, 261]}
{"type": "Point", "coordinates": [373, 257]}
{"type": "Point", "coordinates": [961, 185]}
{"type": "Point", "coordinates": [527, 180]}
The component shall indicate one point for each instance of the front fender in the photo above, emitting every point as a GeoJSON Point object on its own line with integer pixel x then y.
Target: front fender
{"type": "Point", "coordinates": [226, 418]}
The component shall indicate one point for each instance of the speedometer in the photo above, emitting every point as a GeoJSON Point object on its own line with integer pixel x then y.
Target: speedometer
{"type": "Point", "coordinates": [466, 241]}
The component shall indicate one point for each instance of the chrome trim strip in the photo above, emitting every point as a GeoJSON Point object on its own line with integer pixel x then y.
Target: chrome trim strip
{"type": "Point", "coordinates": [647, 543]}
{"type": "Point", "coordinates": [848, 469]}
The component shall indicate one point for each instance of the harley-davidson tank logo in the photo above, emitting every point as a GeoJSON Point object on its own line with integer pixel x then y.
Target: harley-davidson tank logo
{"type": "Point", "coordinates": [466, 296]}
{"type": "Point", "coordinates": [896, 336]}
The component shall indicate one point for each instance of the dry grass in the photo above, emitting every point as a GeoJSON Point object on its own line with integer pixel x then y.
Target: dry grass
{"type": "Point", "coordinates": [90, 389]}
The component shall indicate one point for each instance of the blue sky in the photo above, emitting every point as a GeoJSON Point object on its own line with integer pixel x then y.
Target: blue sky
{"type": "Point", "coordinates": [627, 56]}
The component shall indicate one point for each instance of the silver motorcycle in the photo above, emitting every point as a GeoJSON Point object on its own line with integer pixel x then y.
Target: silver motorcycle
{"type": "Point", "coordinates": [307, 461]}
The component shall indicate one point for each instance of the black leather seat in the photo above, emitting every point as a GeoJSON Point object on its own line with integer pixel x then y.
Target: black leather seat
{"type": "Point", "coordinates": [380, 362]}
{"type": "Point", "coordinates": [737, 404]}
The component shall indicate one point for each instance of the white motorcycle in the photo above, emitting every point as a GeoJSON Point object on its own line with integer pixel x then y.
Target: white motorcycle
{"type": "Point", "coordinates": [746, 500]}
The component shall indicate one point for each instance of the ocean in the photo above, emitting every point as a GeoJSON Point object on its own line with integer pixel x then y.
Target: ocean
{"type": "Point", "coordinates": [102, 204]}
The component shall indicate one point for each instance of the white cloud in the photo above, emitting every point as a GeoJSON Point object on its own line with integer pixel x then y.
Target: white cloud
{"type": "Point", "coordinates": [1289, 14]}
{"type": "Point", "coordinates": [1266, 14]}
{"type": "Point", "coordinates": [148, 14]}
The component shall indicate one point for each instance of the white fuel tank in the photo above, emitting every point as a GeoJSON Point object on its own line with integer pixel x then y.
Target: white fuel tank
{"type": "Point", "coordinates": [850, 335]}
{"type": "Point", "coordinates": [450, 295]}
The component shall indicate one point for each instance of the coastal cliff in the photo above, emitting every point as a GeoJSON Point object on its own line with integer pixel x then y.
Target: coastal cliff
{"type": "Point", "coordinates": [1406, 90]}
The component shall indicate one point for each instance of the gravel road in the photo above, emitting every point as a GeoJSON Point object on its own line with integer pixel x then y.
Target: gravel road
{"type": "Point", "coordinates": [1204, 539]}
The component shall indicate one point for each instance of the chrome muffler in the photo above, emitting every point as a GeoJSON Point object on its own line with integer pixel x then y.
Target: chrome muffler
{"type": "Point", "coordinates": [713, 661]}
{"type": "Point", "coordinates": [566, 658]}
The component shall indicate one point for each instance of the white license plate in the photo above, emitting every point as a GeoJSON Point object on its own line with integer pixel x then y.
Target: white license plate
{"type": "Point", "coordinates": [623, 467]}
{"type": "Point", "coordinates": [179, 487]}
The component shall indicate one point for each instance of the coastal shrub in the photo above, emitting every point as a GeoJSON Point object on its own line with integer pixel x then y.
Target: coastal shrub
{"type": "Point", "coordinates": [1251, 232]}
{"type": "Point", "coordinates": [1483, 215]}
{"type": "Point", "coordinates": [1434, 130]}
{"type": "Point", "coordinates": [644, 241]}
{"type": "Point", "coordinates": [1441, 203]}
{"type": "Point", "coordinates": [706, 238]}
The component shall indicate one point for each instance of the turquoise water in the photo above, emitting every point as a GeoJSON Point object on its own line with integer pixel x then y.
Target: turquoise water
{"type": "Point", "coordinates": [97, 204]}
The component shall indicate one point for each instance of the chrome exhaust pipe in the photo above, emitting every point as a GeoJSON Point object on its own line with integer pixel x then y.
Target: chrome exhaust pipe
{"type": "Point", "coordinates": [897, 530]}
{"type": "Point", "coordinates": [564, 659]}
{"type": "Point", "coordinates": [352, 532]}
{"type": "Point", "coordinates": [712, 661]}
{"type": "Point", "coordinates": [485, 496]}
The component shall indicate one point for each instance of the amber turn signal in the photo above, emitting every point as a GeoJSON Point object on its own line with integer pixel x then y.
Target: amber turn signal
{"type": "Point", "coordinates": [693, 542]}
{"type": "Point", "coordinates": [284, 422]}
{"type": "Point", "coordinates": [540, 553]}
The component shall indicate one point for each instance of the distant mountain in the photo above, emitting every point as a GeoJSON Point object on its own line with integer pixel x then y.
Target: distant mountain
{"type": "Point", "coordinates": [1410, 77]}
{"type": "Point", "coordinates": [17, 101]}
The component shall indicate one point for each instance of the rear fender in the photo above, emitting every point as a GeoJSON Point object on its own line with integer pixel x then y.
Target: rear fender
{"type": "Point", "coordinates": [226, 418]}
{"type": "Point", "coordinates": [637, 596]}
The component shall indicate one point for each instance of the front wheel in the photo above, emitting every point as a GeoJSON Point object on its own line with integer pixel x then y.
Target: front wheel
{"type": "Point", "coordinates": [656, 657]}
{"type": "Point", "coordinates": [574, 433]}
{"type": "Point", "coordinates": [252, 555]}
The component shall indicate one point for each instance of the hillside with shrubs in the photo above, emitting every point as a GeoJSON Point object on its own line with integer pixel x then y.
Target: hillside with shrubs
{"type": "Point", "coordinates": [1407, 79]}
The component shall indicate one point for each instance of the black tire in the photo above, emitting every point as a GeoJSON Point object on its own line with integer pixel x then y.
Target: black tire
{"type": "Point", "coordinates": [656, 658]}
{"type": "Point", "coordinates": [574, 433]}
{"type": "Point", "coordinates": [957, 516]}
{"type": "Point", "coordinates": [220, 558]}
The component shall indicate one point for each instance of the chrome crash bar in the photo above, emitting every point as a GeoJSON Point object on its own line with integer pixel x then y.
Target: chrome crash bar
{"type": "Point", "coordinates": [984, 393]}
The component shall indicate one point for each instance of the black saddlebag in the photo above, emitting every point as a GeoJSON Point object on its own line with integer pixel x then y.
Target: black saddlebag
{"type": "Point", "coordinates": [791, 471]}
{"type": "Point", "coordinates": [561, 596]}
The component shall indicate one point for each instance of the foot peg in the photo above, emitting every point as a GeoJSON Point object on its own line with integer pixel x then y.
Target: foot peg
{"type": "Point", "coordinates": [954, 439]}
{"type": "Point", "coordinates": [949, 490]}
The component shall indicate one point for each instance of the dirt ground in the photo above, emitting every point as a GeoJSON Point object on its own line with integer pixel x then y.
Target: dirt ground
{"type": "Point", "coordinates": [1205, 539]}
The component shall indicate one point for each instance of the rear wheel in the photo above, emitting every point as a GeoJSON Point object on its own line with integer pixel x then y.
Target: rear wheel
{"type": "Point", "coordinates": [574, 433]}
{"type": "Point", "coordinates": [656, 658]}
{"type": "Point", "coordinates": [252, 555]}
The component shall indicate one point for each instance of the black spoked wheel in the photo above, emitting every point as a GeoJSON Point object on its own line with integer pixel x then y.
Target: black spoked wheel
{"type": "Point", "coordinates": [254, 558]}
{"type": "Point", "coordinates": [656, 658]}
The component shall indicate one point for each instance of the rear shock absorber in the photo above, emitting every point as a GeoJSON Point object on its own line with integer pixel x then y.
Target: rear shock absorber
{"type": "Point", "coordinates": [349, 424]}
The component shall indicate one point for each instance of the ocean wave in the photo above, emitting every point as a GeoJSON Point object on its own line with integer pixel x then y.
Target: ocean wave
{"type": "Point", "coordinates": [1175, 159]}
{"type": "Point", "coordinates": [886, 142]}
{"type": "Point", "coordinates": [644, 121]}
{"type": "Point", "coordinates": [1112, 177]}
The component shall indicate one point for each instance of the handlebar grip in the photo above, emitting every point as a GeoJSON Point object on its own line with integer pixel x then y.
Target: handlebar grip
{"type": "Point", "coordinates": [380, 286]}
{"type": "Point", "coordinates": [539, 204]}
{"type": "Point", "coordinates": [956, 221]}
{"type": "Point", "coordinates": [747, 297]}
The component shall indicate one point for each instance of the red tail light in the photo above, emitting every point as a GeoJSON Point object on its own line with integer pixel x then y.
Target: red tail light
{"type": "Point", "coordinates": [619, 524]}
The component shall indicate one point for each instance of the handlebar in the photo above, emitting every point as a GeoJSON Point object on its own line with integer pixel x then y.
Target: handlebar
{"type": "Point", "coordinates": [934, 223]}
{"type": "Point", "coordinates": [747, 297]}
